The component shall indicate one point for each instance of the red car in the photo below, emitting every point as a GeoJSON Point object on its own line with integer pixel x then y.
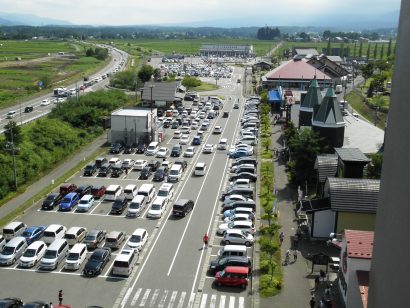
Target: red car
{"type": "Point", "coordinates": [236, 276]}
{"type": "Point", "coordinates": [67, 188]}
{"type": "Point", "coordinates": [98, 191]}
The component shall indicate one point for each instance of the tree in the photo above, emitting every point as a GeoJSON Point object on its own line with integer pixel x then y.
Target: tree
{"type": "Point", "coordinates": [389, 48]}
{"type": "Point", "coordinates": [328, 50]}
{"type": "Point", "coordinates": [157, 74]}
{"type": "Point", "coordinates": [367, 70]}
{"type": "Point", "coordinates": [13, 132]}
{"type": "Point", "coordinates": [382, 52]}
{"type": "Point", "coordinates": [145, 73]}
{"type": "Point", "coordinates": [342, 49]}
{"type": "Point", "coordinates": [368, 51]}
{"type": "Point", "coordinates": [375, 52]}
{"type": "Point", "coordinates": [124, 80]}
{"type": "Point", "coordinates": [361, 49]}
{"type": "Point", "coordinates": [327, 34]}
{"type": "Point", "coordinates": [267, 33]}
{"type": "Point", "coordinates": [89, 52]}
{"type": "Point", "coordinates": [191, 82]}
{"type": "Point", "coordinates": [374, 169]}
{"type": "Point", "coordinates": [354, 49]}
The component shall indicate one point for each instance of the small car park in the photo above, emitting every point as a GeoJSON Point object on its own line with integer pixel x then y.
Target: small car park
{"type": "Point", "coordinates": [239, 225]}
{"type": "Point", "coordinates": [117, 171]}
{"type": "Point", "coordinates": [145, 173]}
{"type": "Point", "coordinates": [67, 188]}
{"type": "Point", "coordinates": [160, 174]}
{"type": "Point", "coordinates": [163, 152]}
{"type": "Point", "coordinates": [116, 148]}
{"type": "Point", "coordinates": [90, 169]}
{"type": "Point", "coordinates": [137, 205]}
{"type": "Point", "coordinates": [238, 237]}
{"type": "Point", "coordinates": [183, 163]}
{"type": "Point", "coordinates": [235, 276]}
{"type": "Point", "coordinates": [83, 190]}
{"type": "Point", "coordinates": [76, 257]}
{"type": "Point", "coordinates": [97, 261]}
{"type": "Point", "coordinates": [139, 164]}
{"type": "Point", "coordinates": [220, 264]}
{"type": "Point", "coordinates": [85, 203]}
{"type": "Point", "coordinates": [127, 164]}
{"type": "Point", "coordinates": [105, 170]}
{"type": "Point", "coordinates": [154, 164]}
{"type": "Point", "coordinates": [119, 205]}
{"type": "Point", "coordinates": [13, 250]}
{"type": "Point", "coordinates": [75, 235]}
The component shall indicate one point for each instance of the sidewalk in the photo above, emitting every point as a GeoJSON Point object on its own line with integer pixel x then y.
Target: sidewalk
{"type": "Point", "coordinates": [54, 174]}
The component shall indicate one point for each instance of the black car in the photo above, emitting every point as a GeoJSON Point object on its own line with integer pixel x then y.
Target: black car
{"type": "Point", "coordinates": [182, 207]}
{"type": "Point", "coordinates": [116, 148]}
{"type": "Point", "coordinates": [141, 147]}
{"type": "Point", "coordinates": [93, 238]}
{"type": "Point", "coordinates": [11, 302]}
{"type": "Point", "coordinates": [36, 304]}
{"type": "Point", "coordinates": [160, 174]}
{"type": "Point", "coordinates": [244, 175]}
{"type": "Point", "coordinates": [181, 162]}
{"type": "Point", "coordinates": [100, 161]}
{"type": "Point", "coordinates": [245, 160]}
{"type": "Point", "coordinates": [90, 169]}
{"type": "Point", "coordinates": [116, 172]}
{"type": "Point", "coordinates": [97, 262]}
{"type": "Point", "coordinates": [28, 109]}
{"type": "Point", "coordinates": [51, 201]}
{"type": "Point", "coordinates": [145, 173]}
{"type": "Point", "coordinates": [238, 190]}
{"type": "Point", "coordinates": [166, 124]}
{"type": "Point", "coordinates": [83, 190]}
{"type": "Point", "coordinates": [160, 113]}
{"type": "Point", "coordinates": [119, 205]}
{"type": "Point", "coordinates": [105, 170]}
{"type": "Point", "coordinates": [175, 125]}
{"type": "Point", "coordinates": [220, 264]}
{"type": "Point", "coordinates": [225, 114]}
{"type": "Point", "coordinates": [176, 150]}
{"type": "Point", "coordinates": [129, 149]}
{"type": "Point", "coordinates": [154, 164]}
{"type": "Point", "coordinates": [234, 205]}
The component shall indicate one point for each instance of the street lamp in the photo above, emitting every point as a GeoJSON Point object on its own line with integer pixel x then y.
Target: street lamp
{"type": "Point", "coordinates": [152, 131]}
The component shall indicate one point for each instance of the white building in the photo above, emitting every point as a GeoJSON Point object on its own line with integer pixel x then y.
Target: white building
{"type": "Point", "coordinates": [229, 50]}
{"type": "Point", "coordinates": [131, 126]}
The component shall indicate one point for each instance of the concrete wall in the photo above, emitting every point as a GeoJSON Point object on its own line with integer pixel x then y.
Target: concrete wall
{"type": "Point", "coordinates": [323, 223]}
{"type": "Point", "coordinates": [355, 221]}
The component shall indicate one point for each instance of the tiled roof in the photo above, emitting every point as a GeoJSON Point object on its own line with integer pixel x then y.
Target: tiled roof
{"type": "Point", "coordinates": [359, 244]}
{"type": "Point", "coordinates": [329, 113]}
{"type": "Point", "coordinates": [351, 154]}
{"type": "Point", "coordinates": [296, 70]}
{"type": "Point", "coordinates": [306, 51]}
{"type": "Point", "coordinates": [313, 96]}
{"type": "Point", "coordinates": [326, 166]}
{"type": "Point", "coordinates": [363, 282]}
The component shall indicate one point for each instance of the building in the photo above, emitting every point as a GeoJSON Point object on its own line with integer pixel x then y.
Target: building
{"type": "Point", "coordinates": [310, 101]}
{"type": "Point", "coordinates": [228, 50]}
{"type": "Point", "coordinates": [262, 66]}
{"type": "Point", "coordinates": [355, 264]}
{"type": "Point", "coordinates": [295, 74]}
{"type": "Point", "coordinates": [328, 120]}
{"type": "Point", "coordinates": [131, 126]}
{"type": "Point", "coordinates": [329, 67]}
{"type": "Point", "coordinates": [275, 99]}
{"type": "Point", "coordinates": [162, 94]}
{"type": "Point", "coordinates": [351, 162]}
{"type": "Point", "coordinates": [303, 52]}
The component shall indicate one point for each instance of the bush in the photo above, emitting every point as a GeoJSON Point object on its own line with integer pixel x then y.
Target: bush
{"type": "Point", "coordinates": [269, 286]}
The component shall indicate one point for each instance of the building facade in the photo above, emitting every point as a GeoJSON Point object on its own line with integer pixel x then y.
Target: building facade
{"type": "Point", "coordinates": [228, 50]}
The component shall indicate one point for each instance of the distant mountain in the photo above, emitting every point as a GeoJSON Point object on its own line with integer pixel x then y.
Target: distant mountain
{"type": "Point", "coordinates": [13, 19]}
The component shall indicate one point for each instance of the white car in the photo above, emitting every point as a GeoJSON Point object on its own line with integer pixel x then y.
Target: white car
{"type": "Point", "coordinates": [138, 239]}
{"type": "Point", "coordinates": [194, 125]}
{"type": "Point", "coordinates": [244, 225]}
{"type": "Point", "coordinates": [185, 130]}
{"type": "Point", "coordinates": [184, 139]}
{"type": "Point", "coordinates": [167, 164]}
{"type": "Point", "coordinates": [45, 102]}
{"type": "Point", "coordinates": [177, 134]}
{"type": "Point", "coordinates": [208, 148]}
{"type": "Point", "coordinates": [162, 152]}
{"type": "Point", "coordinates": [189, 152]}
{"type": "Point", "coordinates": [233, 198]}
{"type": "Point", "coordinates": [85, 204]}
{"type": "Point", "coordinates": [128, 163]}
{"type": "Point", "coordinates": [235, 217]}
{"type": "Point", "coordinates": [217, 130]}
{"type": "Point", "coordinates": [234, 168]}
{"type": "Point", "coordinates": [140, 164]}
{"type": "Point", "coordinates": [157, 207]}
{"type": "Point", "coordinates": [33, 254]}
{"type": "Point", "coordinates": [115, 161]}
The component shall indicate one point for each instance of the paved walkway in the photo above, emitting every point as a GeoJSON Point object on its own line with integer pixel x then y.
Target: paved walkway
{"type": "Point", "coordinates": [57, 172]}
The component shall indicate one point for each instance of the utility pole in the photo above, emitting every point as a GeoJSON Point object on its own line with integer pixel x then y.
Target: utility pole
{"type": "Point", "coordinates": [152, 124]}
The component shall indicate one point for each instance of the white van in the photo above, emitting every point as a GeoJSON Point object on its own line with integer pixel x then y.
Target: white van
{"type": "Point", "coordinates": [223, 144]}
{"type": "Point", "coordinates": [166, 190]}
{"type": "Point", "coordinates": [112, 192]}
{"type": "Point", "coordinates": [13, 250]}
{"type": "Point", "coordinates": [130, 191]}
{"type": "Point", "coordinates": [75, 235]}
{"type": "Point", "coordinates": [147, 190]}
{"type": "Point", "coordinates": [175, 173]}
{"type": "Point", "coordinates": [15, 228]}
{"type": "Point", "coordinates": [137, 205]}
{"type": "Point", "coordinates": [232, 250]}
{"type": "Point", "coordinates": [76, 256]}
{"type": "Point", "coordinates": [124, 263]}
{"type": "Point", "coordinates": [200, 169]}
{"type": "Point", "coordinates": [53, 232]}
{"type": "Point", "coordinates": [152, 149]}
{"type": "Point", "coordinates": [54, 254]}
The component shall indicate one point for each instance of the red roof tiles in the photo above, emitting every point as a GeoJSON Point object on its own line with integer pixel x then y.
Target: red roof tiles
{"type": "Point", "coordinates": [297, 70]}
{"type": "Point", "coordinates": [363, 282]}
{"type": "Point", "coordinates": [359, 244]}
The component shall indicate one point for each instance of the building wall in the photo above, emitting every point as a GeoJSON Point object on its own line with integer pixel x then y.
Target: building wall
{"type": "Point", "coordinates": [130, 129]}
{"type": "Point", "coordinates": [333, 136]}
{"type": "Point", "coordinates": [323, 223]}
{"type": "Point", "coordinates": [305, 118]}
{"type": "Point", "coordinates": [355, 221]}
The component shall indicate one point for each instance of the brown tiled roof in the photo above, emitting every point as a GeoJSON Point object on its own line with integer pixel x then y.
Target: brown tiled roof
{"type": "Point", "coordinates": [359, 244]}
{"type": "Point", "coordinates": [363, 282]}
{"type": "Point", "coordinates": [296, 70]}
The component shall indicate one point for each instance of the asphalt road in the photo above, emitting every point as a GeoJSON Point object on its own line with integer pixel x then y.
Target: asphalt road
{"type": "Point", "coordinates": [172, 269]}
{"type": "Point", "coordinates": [21, 117]}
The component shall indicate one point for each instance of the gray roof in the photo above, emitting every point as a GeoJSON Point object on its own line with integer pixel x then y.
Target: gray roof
{"type": "Point", "coordinates": [336, 59]}
{"type": "Point", "coordinates": [353, 195]}
{"type": "Point", "coordinates": [326, 166]}
{"type": "Point", "coordinates": [329, 113]}
{"type": "Point", "coordinates": [306, 51]}
{"type": "Point", "coordinates": [161, 91]}
{"type": "Point", "coordinates": [313, 96]}
{"type": "Point", "coordinates": [351, 154]}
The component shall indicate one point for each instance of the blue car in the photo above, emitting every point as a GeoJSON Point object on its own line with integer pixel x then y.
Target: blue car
{"type": "Point", "coordinates": [33, 233]}
{"type": "Point", "coordinates": [238, 154]}
{"type": "Point", "coordinates": [196, 140]}
{"type": "Point", "coordinates": [69, 201]}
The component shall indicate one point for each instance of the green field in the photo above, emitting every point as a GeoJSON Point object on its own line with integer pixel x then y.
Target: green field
{"type": "Point", "coordinates": [140, 47]}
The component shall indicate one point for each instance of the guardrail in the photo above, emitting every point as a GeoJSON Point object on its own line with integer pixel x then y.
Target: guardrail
{"type": "Point", "coordinates": [29, 120]}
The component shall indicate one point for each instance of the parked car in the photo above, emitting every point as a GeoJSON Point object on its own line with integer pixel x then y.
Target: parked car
{"type": "Point", "coordinates": [138, 239]}
{"type": "Point", "coordinates": [176, 150]}
{"type": "Point", "coordinates": [235, 276]}
{"type": "Point", "coordinates": [114, 239]}
{"type": "Point", "coordinates": [94, 238]}
{"type": "Point", "coordinates": [97, 261]}
{"type": "Point", "coordinates": [189, 152]}
{"type": "Point", "coordinates": [141, 148]}
{"type": "Point", "coordinates": [220, 263]}
{"type": "Point", "coordinates": [140, 164]}
{"type": "Point", "coordinates": [129, 149]}
{"type": "Point", "coordinates": [85, 203]}
{"type": "Point", "coordinates": [34, 252]}
{"type": "Point", "coordinates": [127, 164]}
{"type": "Point", "coordinates": [69, 201]}
{"type": "Point", "coordinates": [98, 191]}
{"type": "Point", "coordinates": [33, 233]}
{"type": "Point", "coordinates": [119, 205]}
{"type": "Point", "coordinates": [181, 162]}
{"type": "Point", "coordinates": [160, 174]}
{"type": "Point", "coordinates": [145, 173]}
{"type": "Point", "coordinates": [90, 169]}
{"type": "Point", "coordinates": [51, 201]}
{"type": "Point", "coordinates": [67, 188]}
{"type": "Point", "coordinates": [116, 148]}
{"type": "Point", "coordinates": [154, 164]}
{"type": "Point", "coordinates": [105, 170]}
{"type": "Point", "coordinates": [116, 172]}
{"type": "Point", "coordinates": [238, 237]}
{"type": "Point", "coordinates": [163, 152]}
{"type": "Point", "coordinates": [83, 190]}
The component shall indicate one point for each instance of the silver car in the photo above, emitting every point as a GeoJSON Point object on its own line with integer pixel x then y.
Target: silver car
{"type": "Point", "coordinates": [238, 237]}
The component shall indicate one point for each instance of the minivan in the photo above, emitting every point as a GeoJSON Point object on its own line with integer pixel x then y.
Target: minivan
{"type": "Point", "coordinates": [119, 205]}
{"type": "Point", "coordinates": [175, 173]}
{"type": "Point", "coordinates": [75, 235]}
{"type": "Point", "coordinates": [200, 169]}
{"type": "Point", "coordinates": [53, 232]}
{"type": "Point", "coordinates": [152, 149]}
{"type": "Point", "coordinates": [182, 207]}
{"type": "Point", "coordinates": [147, 190]}
{"type": "Point", "coordinates": [13, 250]}
{"type": "Point", "coordinates": [15, 228]}
{"type": "Point", "coordinates": [232, 250]}
{"type": "Point", "coordinates": [166, 190]}
{"type": "Point", "coordinates": [54, 254]}
{"type": "Point", "coordinates": [124, 263]}
{"type": "Point", "coordinates": [105, 170]}
{"type": "Point", "coordinates": [112, 192]}
{"type": "Point", "coordinates": [130, 191]}
{"type": "Point", "coordinates": [236, 276]}
{"type": "Point", "coordinates": [76, 256]}
{"type": "Point", "coordinates": [114, 239]}
{"type": "Point", "coordinates": [137, 205]}
{"type": "Point", "coordinates": [223, 144]}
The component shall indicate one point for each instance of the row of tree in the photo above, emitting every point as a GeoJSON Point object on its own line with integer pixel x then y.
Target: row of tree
{"type": "Point", "coordinates": [350, 35]}
{"type": "Point", "coordinates": [268, 33]}
{"type": "Point", "coordinates": [97, 52]}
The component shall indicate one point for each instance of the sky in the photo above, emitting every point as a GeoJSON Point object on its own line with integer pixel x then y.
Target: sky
{"type": "Point", "coordinates": [200, 12]}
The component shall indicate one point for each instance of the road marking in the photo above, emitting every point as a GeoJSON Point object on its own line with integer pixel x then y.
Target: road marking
{"type": "Point", "coordinates": [145, 297]}
{"type": "Point", "coordinates": [181, 300]}
{"type": "Point", "coordinates": [241, 302]}
{"type": "Point", "coordinates": [135, 298]}
{"type": "Point", "coordinates": [154, 298]}
{"type": "Point", "coordinates": [203, 300]}
{"type": "Point", "coordinates": [172, 299]}
{"type": "Point", "coordinates": [163, 299]}
{"type": "Point", "coordinates": [126, 296]}
{"type": "Point", "coordinates": [191, 300]}
{"type": "Point", "coordinates": [212, 304]}
{"type": "Point", "coordinates": [231, 301]}
{"type": "Point", "coordinates": [222, 301]}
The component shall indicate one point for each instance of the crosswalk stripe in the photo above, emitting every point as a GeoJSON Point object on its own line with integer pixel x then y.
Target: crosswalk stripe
{"type": "Point", "coordinates": [203, 300]}
{"type": "Point", "coordinates": [181, 300]}
{"type": "Point", "coordinates": [154, 298]}
{"type": "Point", "coordinates": [135, 298]}
{"type": "Point", "coordinates": [163, 299]}
{"type": "Point", "coordinates": [222, 301]}
{"type": "Point", "coordinates": [241, 302]}
{"type": "Point", "coordinates": [191, 300]}
{"type": "Point", "coordinates": [145, 297]}
{"type": "Point", "coordinates": [212, 304]}
{"type": "Point", "coordinates": [231, 301]}
{"type": "Point", "coordinates": [172, 299]}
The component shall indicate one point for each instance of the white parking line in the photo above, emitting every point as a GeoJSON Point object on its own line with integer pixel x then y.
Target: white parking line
{"type": "Point", "coordinates": [212, 304]}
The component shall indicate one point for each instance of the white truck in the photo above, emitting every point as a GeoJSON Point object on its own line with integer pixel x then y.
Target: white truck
{"type": "Point", "coordinates": [338, 89]}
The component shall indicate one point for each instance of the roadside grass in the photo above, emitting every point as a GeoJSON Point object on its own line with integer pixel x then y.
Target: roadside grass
{"type": "Point", "coordinates": [356, 100]}
{"type": "Point", "coordinates": [205, 86]}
